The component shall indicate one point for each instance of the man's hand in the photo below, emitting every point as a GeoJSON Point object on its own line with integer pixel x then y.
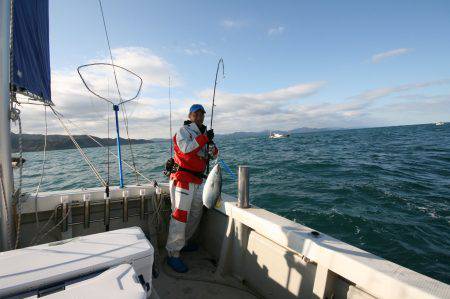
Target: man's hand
{"type": "Point", "coordinates": [169, 168]}
{"type": "Point", "coordinates": [210, 134]}
{"type": "Point", "coordinates": [212, 149]}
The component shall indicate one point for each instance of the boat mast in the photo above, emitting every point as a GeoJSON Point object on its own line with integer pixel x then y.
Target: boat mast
{"type": "Point", "coordinates": [6, 202]}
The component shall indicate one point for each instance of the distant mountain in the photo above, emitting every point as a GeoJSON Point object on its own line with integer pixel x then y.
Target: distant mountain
{"type": "Point", "coordinates": [35, 142]}
{"type": "Point", "coordinates": [293, 131]}
{"type": "Point", "coordinates": [308, 130]}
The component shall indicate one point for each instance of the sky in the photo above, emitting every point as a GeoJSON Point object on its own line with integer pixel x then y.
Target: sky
{"type": "Point", "coordinates": [288, 64]}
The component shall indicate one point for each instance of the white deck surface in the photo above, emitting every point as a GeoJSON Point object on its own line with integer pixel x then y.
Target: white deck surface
{"type": "Point", "coordinates": [199, 281]}
{"type": "Point", "coordinates": [33, 267]}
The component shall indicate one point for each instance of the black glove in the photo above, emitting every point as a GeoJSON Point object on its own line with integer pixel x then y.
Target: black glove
{"type": "Point", "coordinates": [169, 168]}
{"type": "Point", "coordinates": [210, 134]}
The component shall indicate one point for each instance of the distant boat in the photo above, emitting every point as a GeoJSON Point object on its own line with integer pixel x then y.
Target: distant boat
{"type": "Point", "coordinates": [440, 123]}
{"type": "Point", "coordinates": [278, 135]}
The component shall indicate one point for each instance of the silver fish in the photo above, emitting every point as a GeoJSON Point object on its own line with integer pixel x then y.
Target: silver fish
{"type": "Point", "coordinates": [213, 187]}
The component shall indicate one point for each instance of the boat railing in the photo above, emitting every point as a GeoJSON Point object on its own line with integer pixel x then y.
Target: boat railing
{"type": "Point", "coordinates": [266, 251]}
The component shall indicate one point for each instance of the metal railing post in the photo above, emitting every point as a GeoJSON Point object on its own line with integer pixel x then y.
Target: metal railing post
{"type": "Point", "coordinates": [125, 205]}
{"type": "Point", "coordinates": [243, 187]}
{"type": "Point", "coordinates": [107, 211]}
{"type": "Point", "coordinates": [142, 204]}
{"type": "Point", "coordinates": [87, 210]}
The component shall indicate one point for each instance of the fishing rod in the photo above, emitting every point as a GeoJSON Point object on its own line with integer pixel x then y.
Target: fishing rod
{"type": "Point", "coordinates": [170, 164]}
{"type": "Point", "coordinates": [215, 85]}
{"type": "Point", "coordinates": [213, 100]}
{"type": "Point", "coordinates": [170, 123]}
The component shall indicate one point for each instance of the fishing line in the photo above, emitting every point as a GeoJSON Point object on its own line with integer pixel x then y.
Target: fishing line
{"type": "Point", "coordinates": [227, 168]}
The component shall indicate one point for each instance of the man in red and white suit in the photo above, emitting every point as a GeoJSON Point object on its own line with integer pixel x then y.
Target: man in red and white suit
{"type": "Point", "coordinates": [191, 143]}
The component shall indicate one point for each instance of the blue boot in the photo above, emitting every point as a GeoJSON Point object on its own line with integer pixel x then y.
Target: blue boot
{"type": "Point", "coordinates": [190, 247]}
{"type": "Point", "coordinates": [177, 264]}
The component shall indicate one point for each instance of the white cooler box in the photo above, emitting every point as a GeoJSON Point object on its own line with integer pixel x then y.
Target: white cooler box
{"type": "Point", "coordinates": [49, 268]}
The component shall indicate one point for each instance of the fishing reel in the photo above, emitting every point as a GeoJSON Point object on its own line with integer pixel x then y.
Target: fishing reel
{"type": "Point", "coordinates": [211, 150]}
{"type": "Point", "coordinates": [170, 167]}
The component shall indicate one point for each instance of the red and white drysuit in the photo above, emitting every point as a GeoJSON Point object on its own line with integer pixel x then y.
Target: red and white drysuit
{"type": "Point", "coordinates": [190, 147]}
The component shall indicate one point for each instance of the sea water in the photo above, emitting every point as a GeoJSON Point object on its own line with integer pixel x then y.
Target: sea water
{"type": "Point", "coordinates": [385, 190]}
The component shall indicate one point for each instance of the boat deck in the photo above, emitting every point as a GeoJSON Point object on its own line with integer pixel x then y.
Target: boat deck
{"type": "Point", "coordinates": [199, 282]}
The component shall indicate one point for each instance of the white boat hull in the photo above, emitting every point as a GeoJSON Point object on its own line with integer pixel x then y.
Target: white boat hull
{"type": "Point", "coordinates": [273, 255]}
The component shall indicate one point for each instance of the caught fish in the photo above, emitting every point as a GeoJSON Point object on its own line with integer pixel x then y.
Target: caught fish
{"type": "Point", "coordinates": [213, 187]}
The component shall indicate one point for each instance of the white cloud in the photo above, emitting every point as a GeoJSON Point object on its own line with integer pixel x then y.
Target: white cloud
{"type": "Point", "coordinates": [197, 49]}
{"type": "Point", "coordinates": [262, 102]}
{"type": "Point", "coordinates": [416, 109]}
{"type": "Point", "coordinates": [230, 24]}
{"type": "Point", "coordinates": [73, 100]}
{"type": "Point", "coordinates": [153, 69]}
{"type": "Point", "coordinates": [377, 93]}
{"type": "Point", "coordinates": [391, 53]}
{"type": "Point", "coordinates": [258, 111]}
{"type": "Point", "coordinates": [275, 30]}
{"type": "Point", "coordinates": [284, 108]}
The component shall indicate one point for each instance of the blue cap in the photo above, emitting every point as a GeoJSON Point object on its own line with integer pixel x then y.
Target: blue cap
{"type": "Point", "coordinates": [196, 107]}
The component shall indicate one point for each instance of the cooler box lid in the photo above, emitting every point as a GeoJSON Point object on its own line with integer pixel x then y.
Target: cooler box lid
{"type": "Point", "coordinates": [33, 267]}
{"type": "Point", "coordinates": [118, 282]}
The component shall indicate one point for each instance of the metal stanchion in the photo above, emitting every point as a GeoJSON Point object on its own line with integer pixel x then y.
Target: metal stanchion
{"type": "Point", "coordinates": [65, 210]}
{"type": "Point", "coordinates": [243, 187]}
{"type": "Point", "coordinates": [142, 205]}
{"type": "Point", "coordinates": [107, 211]}
{"type": "Point", "coordinates": [87, 209]}
{"type": "Point", "coordinates": [125, 205]}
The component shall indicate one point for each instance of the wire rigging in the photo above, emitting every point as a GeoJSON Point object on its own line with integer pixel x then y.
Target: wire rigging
{"type": "Point", "coordinates": [108, 151]}
{"type": "Point", "coordinates": [153, 182]}
{"type": "Point", "coordinates": [110, 52]}
{"type": "Point", "coordinates": [108, 109]}
{"type": "Point", "coordinates": [125, 119]}
{"type": "Point", "coordinates": [15, 117]}
{"type": "Point", "coordinates": [44, 158]}
{"type": "Point", "coordinates": [124, 112]}
{"type": "Point", "coordinates": [83, 154]}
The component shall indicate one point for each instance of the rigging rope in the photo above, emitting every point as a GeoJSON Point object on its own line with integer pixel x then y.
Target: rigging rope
{"type": "Point", "coordinates": [124, 113]}
{"type": "Point", "coordinates": [108, 151]}
{"type": "Point", "coordinates": [153, 182]}
{"type": "Point", "coordinates": [125, 118]}
{"type": "Point", "coordinates": [15, 117]}
{"type": "Point", "coordinates": [5, 203]}
{"type": "Point", "coordinates": [51, 229]}
{"type": "Point", "coordinates": [42, 228]}
{"type": "Point", "coordinates": [83, 154]}
{"type": "Point", "coordinates": [44, 159]}
{"type": "Point", "coordinates": [19, 189]}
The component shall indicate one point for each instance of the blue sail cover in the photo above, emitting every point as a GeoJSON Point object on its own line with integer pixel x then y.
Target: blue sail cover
{"type": "Point", "coordinates": [31, 53]}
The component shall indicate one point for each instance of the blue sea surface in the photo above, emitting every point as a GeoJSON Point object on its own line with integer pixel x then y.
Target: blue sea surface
{"type": "Point", "coordinates": [385, 190]}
